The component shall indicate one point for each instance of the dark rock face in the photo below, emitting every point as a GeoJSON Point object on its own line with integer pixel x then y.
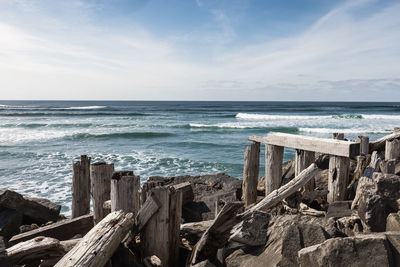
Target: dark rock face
{"type": "Point", "coordinates": [10, 220]}
{"type": "Point", "coordinates": [286, 236]}
{"type": "Point", "coordinates": [367, 250]}
{"type": "Point", "coordinates": [35, 210]}
{"type": "Point", "coordinates": [377, 201]}
{"type": "Point", "coordinates": [4, 262]}
{"type": "Point", "coordinates": [207, 189]}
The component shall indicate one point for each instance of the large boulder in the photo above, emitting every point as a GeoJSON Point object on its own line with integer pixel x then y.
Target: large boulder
{"type": "Point", "coordinates": [252, 231]}
{"type": "Point", "coordinates": [207, 189]}
{"type": "Point", "coordinates": [34, 210]}
{"type": "Point", "coordinates": [364, 250]}
{"type": "Point", "coordinates": [378, 200]}
{"type": "Point", "coordinates": [10, 221]}
{"type": "Point", "coordinates": [286, 236]}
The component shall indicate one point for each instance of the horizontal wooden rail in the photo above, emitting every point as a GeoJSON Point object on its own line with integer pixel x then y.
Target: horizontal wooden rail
{"type": "Point", "coordinates": [308, 143]}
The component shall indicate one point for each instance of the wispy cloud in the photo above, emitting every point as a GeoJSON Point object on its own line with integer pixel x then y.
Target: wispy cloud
{"type": "Point", "coordinates": [342, 55]}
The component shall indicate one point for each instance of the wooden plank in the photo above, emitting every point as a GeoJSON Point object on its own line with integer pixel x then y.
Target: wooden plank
{"type": "Point", "coordinates": [81, 187]}
{"type": "Point", "coordinates": [61, 230]}
{"type": "Point", "coordinates": [97, 246]}
{"type": "Point", "coordinates": [321, 145]}
{"type": "Point", "coordinates": [100, 181]}
{"type": "Point", "coordinates": [273, 167]}
{"type": "Point", "coordinates": [149, 208]}
{"type": "Point", "coordinates": [284, 191]}
{"type": "Point", "coordinates": [379, 145]}
{"type": "Point", "coordinates": [250, 173]}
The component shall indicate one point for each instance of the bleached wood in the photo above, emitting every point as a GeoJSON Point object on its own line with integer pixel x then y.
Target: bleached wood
{"type": "Point", "coordinates": [364, 144]}
{"type": "Point", "coordinates": [149, 208]}
{"type": "Point", "coordinates": [273, 167]}
{"type": "Point", "coordinates": [361, 165]}
{"type": "Point", "coordinates": [34, 249]}
{"type": "Point", "coordinates": [392, 149]}
{"type": "Point", "coordinates": [321, 145]}
{"type": "Point", "coordinates": [379, 145]}
{"type": "Point", "coordinates": [81, 187]}
{"type": "Point", "coordinates": [60, 230]}
{"type": "Point", "coordinates": [160, 236]}
{"type": "Point", "coordinates": [97, 246]}
{"type": "Point", "coordinates": [250, 173]}
{"type": "Point", "coordinates": [284, 191]}
{"type": "Point", "coordinates": [304, 159]}
{"type": "Point", "coordinates": [125, 193]}
{"type": "Point", "coordinates": [338, 176]}
{"type": "Point", "coordinates": [100, 179]}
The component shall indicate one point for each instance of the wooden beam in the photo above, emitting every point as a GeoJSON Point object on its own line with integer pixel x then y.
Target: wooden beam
{"type": "Point", "coordinates": [61, 230]}
{"type": "Point", "coordinates": [321, 145]}
{"type": "Point", "coordinates": [97, 246]}
{"type": "Point", "coordinates": [250, 173]}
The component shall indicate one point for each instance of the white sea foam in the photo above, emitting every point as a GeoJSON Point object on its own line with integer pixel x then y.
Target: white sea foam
{"type": "Point", "coordinates": [381, 117]}
{"type": "Point", "coordinates": [83, 108]}
{"type": "Point", "coordinates": [232, 125]}
{"type": "Point", "coordinates": [250, 116]}
{"type": "Point", "coordinates": [349, 131]}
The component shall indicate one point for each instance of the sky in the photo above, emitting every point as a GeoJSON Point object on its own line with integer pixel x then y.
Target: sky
{"type": "Point", "coordinates": [264, 50]}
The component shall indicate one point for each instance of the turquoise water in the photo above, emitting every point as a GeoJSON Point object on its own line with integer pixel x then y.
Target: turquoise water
{"type": "Point", "coordinates": [40, 139]}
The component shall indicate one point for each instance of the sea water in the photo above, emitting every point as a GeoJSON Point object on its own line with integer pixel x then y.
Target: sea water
{"type": "Point", "coordinates": [39, 140]}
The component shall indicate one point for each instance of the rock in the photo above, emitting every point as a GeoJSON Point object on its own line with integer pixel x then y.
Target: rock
{"type": "Point", "coordinates": [4, 262]}
{"type": "Point", "coordinates": [322, 161]}
{"type": "Point", "coordinates": [393, 222]}
{"type": "Point", "coordinates": [193, 231]}
{"type": "Point", "coordinates": [207, 190]}
{"type": "Point", "coordinates": [350, 226]}
{"type": "Point", "coordinates": [35, 210]}
{"type": "Point", "coordinates": [205, 263]}
{"type": "Point", "coordinates": [28, 227]}
{"type": "Point", "coordinates": [10, 220]}
{"type": "Point", "coordinates": [321, 179]}
{"type": "Point", "coordinates": [378, 200]}
{"type": "Point", "coordinates": [339, 209]}
{"type": "Point", "coordinates": [286, 235]}
{"type": "Point", "coordinates": [367, 250]}
{"type": "Point", "coordinates": [394, 242]}
{"type": "Point", "coordinates": [253, 230]}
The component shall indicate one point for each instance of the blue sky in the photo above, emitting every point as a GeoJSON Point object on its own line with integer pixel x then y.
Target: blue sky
{"type": "Point", "coordinates": [200, 50]}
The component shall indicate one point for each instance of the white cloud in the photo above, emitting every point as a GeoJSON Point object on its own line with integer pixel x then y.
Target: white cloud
{"type": "Point", "coordinates": [340, 56]}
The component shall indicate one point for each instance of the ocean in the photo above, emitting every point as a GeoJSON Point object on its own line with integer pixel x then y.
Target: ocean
{"type": "Point", "coordinates": [39, 140]}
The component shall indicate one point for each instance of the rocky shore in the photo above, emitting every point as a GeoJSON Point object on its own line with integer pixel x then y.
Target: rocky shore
{"type": "Point", "coordinates": [216, 229]}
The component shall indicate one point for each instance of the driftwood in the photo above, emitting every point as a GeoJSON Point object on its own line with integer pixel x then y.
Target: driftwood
{"type": "Point", "coordinates": [362, 162]}
{"type": "Point", "coordinates": [306, 210]}
{"type": "Point", "coordinates": [392, 149]}
{"type": "Point", "coordinates": [250, 173]}
{"type": "Point", "coordinates": [160, 236]}
{"type": "Point", "coordinates": [218, 234]}
{"type": "Point", "coordinates": [284, 191]}
{"type": "Point", "coordinates": [61, 230]}
{"type": "Point", "coordinates": [379, 145]}
{"type": "Point", "coordinates": [81, 187]}
{"type": "Point", "coordinates": [100, 181]}
{"type": "Point", "coordinates": [97, 246]}
{"type": "Point", "coordinates": [149, 208]}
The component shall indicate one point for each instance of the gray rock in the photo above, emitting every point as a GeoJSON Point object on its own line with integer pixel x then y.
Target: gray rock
{"type": "Point", "coordinates": [393, 222]}
{"type": "Point", "coordinates": [286, 236]}
{"type": "Point", "coordinates": [350, 226]}
{"type": "Point", "coordinates": [252, 231]}
{"type": "Point", "coordinates": [339, 209]}
{"type": "Point", "coordinates": [367, 250]}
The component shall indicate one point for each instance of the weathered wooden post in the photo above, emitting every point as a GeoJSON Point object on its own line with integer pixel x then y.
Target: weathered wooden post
{"type": "Point", "coordinates": [125, 192]}
{"type": "Point", "coordinates": [388, 166]}
{"type": "Point", "coordinates": [338, 175]}
{"type": "Point", "coordinates": [100, 179]}
{"type": "Point", "coordinates": [250, 173]}
{"type": "Point", "coordinates": [273, 167]}
{"type": "Point", "coordinates": [392, 149]}
{"type": "Point", "coordinates": [81, 187]}
{"type": "Point", "coordinates": [304, 159]}
{"type": "Point", "coordinates": [160, 236]}
{"type": "Point", "coordinates": [364, 145]}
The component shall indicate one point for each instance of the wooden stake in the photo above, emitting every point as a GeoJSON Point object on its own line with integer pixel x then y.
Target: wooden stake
{"type": "Point", "coordinates": [125, 192]}
{"type": "Point", "coordinates": [364, 145]}
{"type": "Point", "coordinates": [250, 173]}
{"type": "Point", "coordinates": [81, 187]}
{"type": "Point", "coordinates": [273, 167]}
{"type": "Point", "coordinates": [302, 161]}
{"type": "Point", "coordinates": [160, 236]}
{"type": "Point", "coordinates": [338, 175]}
{"type": "Point", "coordinates": [100, 178]}
{"type": "Point", "coordinates": [392, 149]}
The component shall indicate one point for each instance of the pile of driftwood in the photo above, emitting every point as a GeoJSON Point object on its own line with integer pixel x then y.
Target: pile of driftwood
{"type": "Point", "coordinates": [290, 217]}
